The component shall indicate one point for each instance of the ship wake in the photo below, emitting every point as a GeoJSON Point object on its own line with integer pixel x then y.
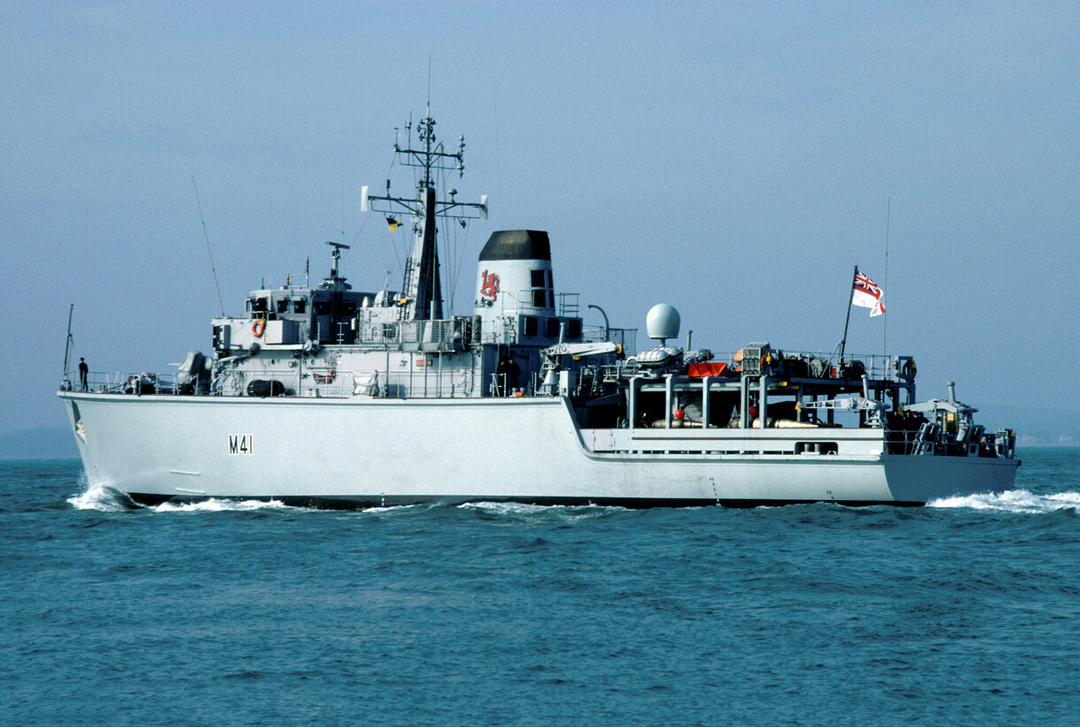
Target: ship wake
{"type": "Point", "coordinates": [1014, 501]}
{"type": "Point", "coordinates": [102, 498]}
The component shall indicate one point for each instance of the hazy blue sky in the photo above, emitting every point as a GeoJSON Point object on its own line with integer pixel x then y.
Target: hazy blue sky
{"type": "Point", "coordinates": [732, 159]}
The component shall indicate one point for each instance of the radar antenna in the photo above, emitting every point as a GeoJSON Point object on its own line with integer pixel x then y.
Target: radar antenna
{"type": "Point", "coordinates": [335, 256]}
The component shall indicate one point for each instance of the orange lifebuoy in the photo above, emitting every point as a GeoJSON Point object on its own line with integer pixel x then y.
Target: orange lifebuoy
{"type": "Point", "coordinates": [257, 327]}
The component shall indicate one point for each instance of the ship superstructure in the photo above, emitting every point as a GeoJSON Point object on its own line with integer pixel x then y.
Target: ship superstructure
{"type": "Point", "coordinates": [325, 394]}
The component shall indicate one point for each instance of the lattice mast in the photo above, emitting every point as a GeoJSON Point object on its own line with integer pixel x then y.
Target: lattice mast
{"type": "Point", "coordinates": [422, 286]}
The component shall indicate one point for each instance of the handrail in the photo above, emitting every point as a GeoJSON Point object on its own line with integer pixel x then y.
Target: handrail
{"type": "Point", "coordinates": [878, 366]}
{"type": "Point", "coordinates": [234, 382]}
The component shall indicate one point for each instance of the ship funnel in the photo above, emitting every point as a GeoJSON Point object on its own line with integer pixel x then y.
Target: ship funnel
{"type": "Point", "coordinates": [514, 278]}
{"type": "Point", "coordinates": [662, 322]}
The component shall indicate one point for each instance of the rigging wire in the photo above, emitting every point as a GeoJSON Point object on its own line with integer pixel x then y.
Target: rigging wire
{"type": "Point", "coordinates": [449, 245]}
{"type": "Point", "coordinates": [461, 257]}
{"type": "Point", "coordinates": [208, 252]}
{"type": "Point", "coordinates": [495, 117]}
{"type": "Point", "coordinates": [367, 219]}
{"type": "Point", "coordinates": [397, 255]}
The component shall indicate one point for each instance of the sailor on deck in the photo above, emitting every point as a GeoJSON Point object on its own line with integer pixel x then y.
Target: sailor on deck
{"type": "Point", "coordinates": [507, 375]}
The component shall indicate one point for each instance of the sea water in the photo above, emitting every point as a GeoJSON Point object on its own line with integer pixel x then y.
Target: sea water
{"type": "Point", "coordinates": [965, 612]}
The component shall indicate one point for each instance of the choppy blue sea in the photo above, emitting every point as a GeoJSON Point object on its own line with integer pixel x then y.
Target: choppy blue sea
{"type": "Point", "coordinates": [964, 612]}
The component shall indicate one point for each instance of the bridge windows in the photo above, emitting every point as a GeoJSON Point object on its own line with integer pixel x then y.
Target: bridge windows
{"type": "Point", "coordinates": [532, 326]}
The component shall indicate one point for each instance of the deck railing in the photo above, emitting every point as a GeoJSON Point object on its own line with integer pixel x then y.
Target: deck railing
{"type": "Point", "coordinates": [120, 382]}
{"type": "Point", "coordinates": [415, 384]}
{"type": "Point", "coordinates": [818, 364]}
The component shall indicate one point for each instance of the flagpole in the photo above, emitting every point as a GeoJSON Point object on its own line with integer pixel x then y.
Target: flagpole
{"type": "Point", "coordinates": [843, 341]}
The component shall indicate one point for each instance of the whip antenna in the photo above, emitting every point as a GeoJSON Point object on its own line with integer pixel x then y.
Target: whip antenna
{"type": "Point", "coordinates": [207, 238]}
{"type": "Point", "coordinates": [885, 318]}
{"type": "Point", "coordinates": [70, 341]}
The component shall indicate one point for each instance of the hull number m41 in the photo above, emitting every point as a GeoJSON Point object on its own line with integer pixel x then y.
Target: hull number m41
{"type": "Point", "coordinates": [240, 444]}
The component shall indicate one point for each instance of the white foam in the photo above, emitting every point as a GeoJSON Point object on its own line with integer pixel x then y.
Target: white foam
{"type": "Point", "coordinates": [567, 512]}
{"type": "Point", "coordinates": [392, 508]}
{"type": "Point", "coordinates": [103, 498]}
{"type": "Point", "coordinates": [1018, 501]}
{"type": "Point", "coordinates": [213, 505]}
{"type": "Point", "coordinates": [505, 508]}
{"type": "Point", "coordinates": [97, 496]}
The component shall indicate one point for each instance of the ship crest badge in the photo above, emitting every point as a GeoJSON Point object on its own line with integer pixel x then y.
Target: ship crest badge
{"type": "Point", "coordinates": [489, 287]}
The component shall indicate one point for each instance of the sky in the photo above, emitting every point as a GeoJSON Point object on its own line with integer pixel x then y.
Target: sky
{"type": "Point", "coordinates": [735, 160]}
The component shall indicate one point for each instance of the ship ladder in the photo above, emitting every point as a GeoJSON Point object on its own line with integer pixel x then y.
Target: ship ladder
{"type": "Point", "coordinates": [925, 439]}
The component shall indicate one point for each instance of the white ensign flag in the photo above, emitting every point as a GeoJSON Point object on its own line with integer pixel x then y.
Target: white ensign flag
{"type": "Point", "coordinates": [867, 294]}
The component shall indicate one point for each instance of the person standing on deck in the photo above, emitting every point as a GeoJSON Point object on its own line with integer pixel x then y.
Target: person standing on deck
{"type": "Point", "coordinates": [83, 370]}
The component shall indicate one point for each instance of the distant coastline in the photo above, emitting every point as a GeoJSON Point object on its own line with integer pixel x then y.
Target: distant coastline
{"type": "Point", "coordinates": [1035, 427]}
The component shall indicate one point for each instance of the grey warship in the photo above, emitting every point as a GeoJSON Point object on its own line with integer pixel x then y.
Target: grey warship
{"type": "Point", "coordinates": [327, 396]}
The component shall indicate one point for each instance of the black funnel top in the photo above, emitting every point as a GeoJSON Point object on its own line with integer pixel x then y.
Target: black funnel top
{"type": "Point", "coordinates": [517, 245]}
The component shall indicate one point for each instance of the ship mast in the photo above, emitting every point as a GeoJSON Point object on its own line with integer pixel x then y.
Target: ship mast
{"type": "Point", "coordinates": [422, 286]}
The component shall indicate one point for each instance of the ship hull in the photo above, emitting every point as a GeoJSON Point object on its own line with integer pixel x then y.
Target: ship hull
{"type": "Point", "coordinates": [361, 452]}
